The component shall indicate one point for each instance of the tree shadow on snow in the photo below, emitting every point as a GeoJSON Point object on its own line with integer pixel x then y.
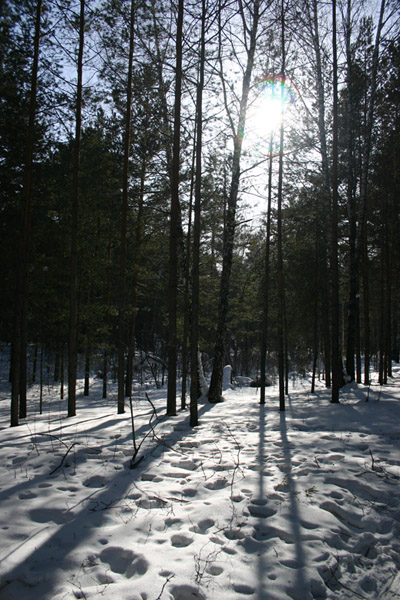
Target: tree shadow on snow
{"type": "Point", "coordinates": [40, 561]}
{"type": "Point", "coordinates": [298, 586]}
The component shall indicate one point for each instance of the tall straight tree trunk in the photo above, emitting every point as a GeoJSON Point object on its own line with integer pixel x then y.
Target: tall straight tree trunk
{"type": "Point", "coordinates": [19, 339]}
{"type": "Point", "coordinates": [366, 150]}
{"type": "Point", "coordinates": [41, 381]}
{"type": "Point", "coordinates": [362, 238]}
{"type": "Point", "coordinates": [215, 391]}
{"type": "Point", "coordinates": [264, 329]}
{"type": "Point", "coordinates": [62, 374]}
{"type": "Point", "coordinates": [366, 306]}
{"type": "Point", "coordinates": [321, 121]}
{"type": "Point", "coordinates": [316, 296]}
{"type": "Point", "coordinates": [122, 321]}
{"type": "Point", "coordinates": [174, 222]}
{"type": "Point", "coordinates": [86, 386]}
{"type": "Point", "coordinates": [108, 297]}
{"type": "Point", "coordinates": [186, 302]}
{"type": "Point", "coordinates": [336, 376]}
{"type": "Point", "coordinates": [194, 338]}
{"type": "Point", "coordinates": [135, 279]}
{"type": "Point", "coordinates": [387, 293]}
{"type": "Point", "coordinates": [34, 364]}
{"type": "Point", "coordinates": [73, 309]}
{"type": "Point", "coordinates": [353, 303]}
{"type": "Point", "coordinates": [281, 298]}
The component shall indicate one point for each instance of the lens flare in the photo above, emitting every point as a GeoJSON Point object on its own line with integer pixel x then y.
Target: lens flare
{"type": "Point", "coordinates": [275, 96]}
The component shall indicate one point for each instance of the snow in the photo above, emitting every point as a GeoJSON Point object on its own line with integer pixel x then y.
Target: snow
{"type": "Point", "coordinates": [251, 504]}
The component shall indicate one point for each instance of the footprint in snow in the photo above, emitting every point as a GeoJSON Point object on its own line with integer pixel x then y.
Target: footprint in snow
{"type": "Point", "coordinates": [362, 446]}
{"type": "Point", "coordinates": [229, 550]}
{"type": "Point", "coordinates": [217, 484]}
{"type": "Point", "coordinates": [96, 481]}
{"type": "Point", "coordinates": [189, 444]}
{"type": "Point", "coordinates": [187, 465]}
{"type": "Point", "coordinates": [352, 518]}
{"type": "Point", "coordinates": [150, 503]}
{"type": "Point", "coordinates": [203, 526]}
{"type": "Point", "coordinates": [256, 509]}
{"type": "Point", "coordinates": [103, 541]}
{"type": "Point", "coordinates": [214, 570]}
{"type": "Point", "coordinates": [44, 515]}
{"type": "Point", "coordinates": [148, 476]}
{"type": "Point", "coordinates": [185, 592]}
{"type": "Point", "coordinates": [242, 588]}
{"type": "Point", "coordinates": [290, 562]}
{"type": "Point", "coordinates": [94, 451]}
{"type": "Point", "coordinates": [180, 540]}
{"type": "Point", "coordinates": [190, 492]}
{"type": "Point", "coordinates": [234, 534]}
{"type": "Point", "coordinates": [124, 561]}
{"type": "Point", "coordinates": [337, 495]}
{"type": "Point", "coordinates": [308, 524]}
{"type": "Point", "coordinates": [26, 495]}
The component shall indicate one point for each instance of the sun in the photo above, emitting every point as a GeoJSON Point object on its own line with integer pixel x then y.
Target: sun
{"type": "Point", "coordinates": [274, 94]}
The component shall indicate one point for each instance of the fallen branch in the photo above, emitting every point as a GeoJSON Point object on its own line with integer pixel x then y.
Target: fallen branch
{"type": "Point", "coordinates": [164, 585]}
{"type": "Point", "coordinates": [63, 458]}
{"type": "Point", "coordinates": [346, 587]}
{"type": "Point", "coordinates": [134, 463]}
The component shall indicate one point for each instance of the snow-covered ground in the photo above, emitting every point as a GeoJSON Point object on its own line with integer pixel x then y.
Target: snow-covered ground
{"type": "Point", "coordinates": [252, 503]}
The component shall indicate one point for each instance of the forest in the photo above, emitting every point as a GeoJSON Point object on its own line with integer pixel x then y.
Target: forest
{"type": "Point", "coordinates": [187, 185]}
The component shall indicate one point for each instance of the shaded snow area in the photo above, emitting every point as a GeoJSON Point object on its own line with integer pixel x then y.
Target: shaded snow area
{"type": "Point", "coordinates": [252, 503]}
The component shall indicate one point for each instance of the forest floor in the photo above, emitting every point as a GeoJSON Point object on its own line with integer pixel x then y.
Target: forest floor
{"type": "Point", "coordinates": [251, 504]}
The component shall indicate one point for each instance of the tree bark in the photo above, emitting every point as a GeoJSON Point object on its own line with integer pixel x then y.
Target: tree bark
{"type": "Point", "coordinates": [362, 239]}
{"type": "Point", "coordinates": [87, 372]}
{"type": "Point", "coordinates": [281, 297]}
{"type": "Point", "coordinates": [194, 340]}
{"type": "Point", "coordinates": [122, 321]}
{"type": "Point", "coordinates": [19, 339]}
{"type": "Point", "coordinates": [336, 376]}
{"type": "Point", "coordinates": [187, 292]}
{"type": "Point", "coordinates": [73, 311]}
{"type": "Point", "coordinates": [174, 220]}
{"type": "Point", "coordinates": [352, 310]}
{"type": "Point", "coordinates": [321, 121]}
{"type": "Point", "coordinates": [135, 279]}
{"type": "Point", "coordinates": [264, 329]}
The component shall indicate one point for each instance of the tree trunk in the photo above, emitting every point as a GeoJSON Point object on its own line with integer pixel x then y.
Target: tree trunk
{"type": "Point", "coordinates": [336, 376]}
{"type": "Point", "coordinates": [321, 120]}
{"type": "Point", "coordinates": [264, 329]}
{"type": "Point", "coordinates": [316, 297]}
{"type": "Point", "coordinates": [215, 391]}
{"type": "Point", "coordinates": [87, 373]}
{"type": "Point", "coordinates": [281, 297]}
{"type": "Point", "coordinates": [362, 238]}
{"type": "Point", "coordinates": [194, 339]}
{"type": "Point", "coordinates": [366, 316]}
{"type": "Point", "coordinates": [19, 339]}
{"type": "Point", "coordinates": [62, 375]}
{"type": "Point", "coordinates": [34, 364]}
{"type": "Point", "coordinates": [108, 297]}
{"type": "Point", "coordinates": [135, 279]}
{"type": "Point", "coordinates": [105, 372]}
{"type": "Point", "coordinates": [174, 220]}
{"type": "Point", "coordinates": [122, 321]}
{"type": "Point", "coordinates": [73, 314]}
{"type": "Point", "coordinates": [187, 302]}
{"type": "Point", "coordinates": [41, 381]}
{"type": "Point", "coordinates": [353, 312]}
